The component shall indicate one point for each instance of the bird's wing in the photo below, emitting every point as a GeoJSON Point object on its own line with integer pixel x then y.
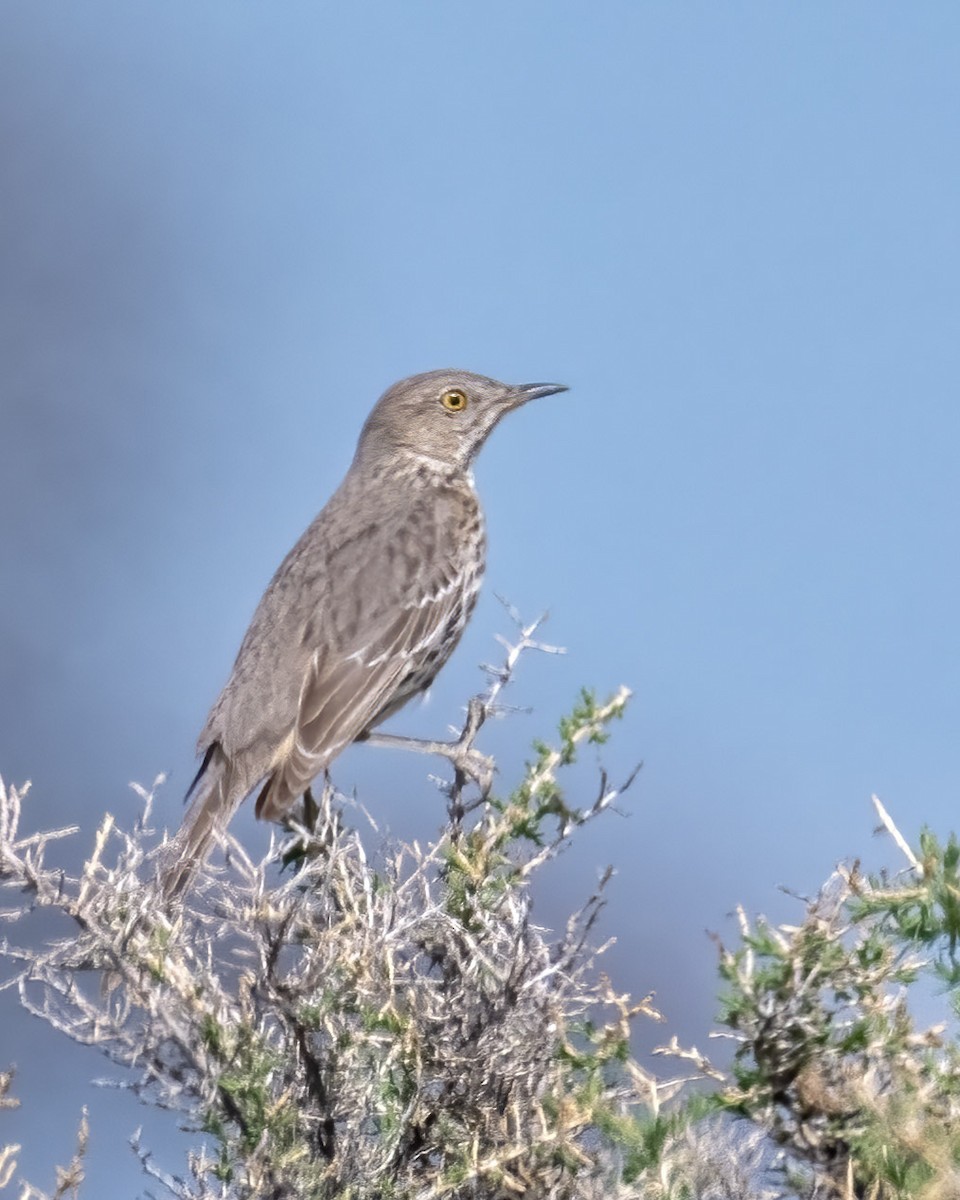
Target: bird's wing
{"type": "Point", "coordinates": [346, 690]}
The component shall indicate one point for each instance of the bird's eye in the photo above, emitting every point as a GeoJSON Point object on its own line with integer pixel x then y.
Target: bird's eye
{"type": "Point", "coordinates": [454, 400]}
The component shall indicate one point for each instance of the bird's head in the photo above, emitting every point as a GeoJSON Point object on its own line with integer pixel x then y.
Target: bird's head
{"type": "Point", "coordinates": [444, 416]}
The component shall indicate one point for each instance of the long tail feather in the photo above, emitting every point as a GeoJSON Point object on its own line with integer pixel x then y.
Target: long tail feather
{"type": "Point", "coordinates": [210, 810]}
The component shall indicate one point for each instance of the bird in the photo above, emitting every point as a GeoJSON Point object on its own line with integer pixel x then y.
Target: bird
{"type": "Point", "coordinates": [361, 615]}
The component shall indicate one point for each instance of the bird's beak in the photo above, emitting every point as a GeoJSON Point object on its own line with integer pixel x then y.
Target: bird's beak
{"type": "Point", "coordinates": [533, 391]}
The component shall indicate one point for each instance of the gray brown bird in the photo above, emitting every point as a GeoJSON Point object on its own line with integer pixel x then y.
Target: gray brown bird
{"type": "Point", "coordinates": [361, 614]}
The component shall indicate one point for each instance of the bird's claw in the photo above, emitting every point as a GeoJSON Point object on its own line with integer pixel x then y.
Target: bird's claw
{"type": "Point", "coordinates": [471, 764]}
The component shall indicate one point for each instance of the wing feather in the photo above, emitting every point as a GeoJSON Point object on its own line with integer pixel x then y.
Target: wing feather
{"type": "Point", "coordinates": [345, 693]}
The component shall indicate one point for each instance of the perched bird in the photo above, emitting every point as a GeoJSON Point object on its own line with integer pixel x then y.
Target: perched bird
{"type": "Point", "coordinates": [361, 614]}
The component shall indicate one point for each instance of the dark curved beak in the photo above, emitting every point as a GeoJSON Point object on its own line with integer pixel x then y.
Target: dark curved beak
{"type": "Point", "coordinates": [533, 391]}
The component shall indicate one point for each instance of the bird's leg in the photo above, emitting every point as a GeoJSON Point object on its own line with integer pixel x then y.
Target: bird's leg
{"type": "Point", "coordinates": [311, 810]}
{"type": "Point", "coordinates": [321, 821]}
{"type": "Point", "coordinates": [467, 761]}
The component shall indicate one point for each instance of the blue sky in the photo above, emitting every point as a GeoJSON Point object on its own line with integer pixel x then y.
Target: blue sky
{"type": "Point", "coordinates": [732, 230]}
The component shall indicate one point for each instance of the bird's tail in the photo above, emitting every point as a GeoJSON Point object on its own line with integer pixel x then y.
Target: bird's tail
{"type": "Point", "coordinates": [209, 812]}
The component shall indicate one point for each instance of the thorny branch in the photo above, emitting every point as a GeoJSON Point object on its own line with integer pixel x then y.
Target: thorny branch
{"type": "Point", "coordinates": [363, 1026]}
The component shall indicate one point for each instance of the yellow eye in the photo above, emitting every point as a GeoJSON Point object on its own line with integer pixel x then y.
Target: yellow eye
{"type": "Point", "coordinates": [454, 400]}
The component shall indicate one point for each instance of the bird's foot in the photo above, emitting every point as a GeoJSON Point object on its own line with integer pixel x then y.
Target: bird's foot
{"type": "Point", "coordinates": [470, 764]}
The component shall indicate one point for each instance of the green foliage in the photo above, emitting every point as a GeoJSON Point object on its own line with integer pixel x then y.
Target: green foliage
{"type": "Point", "coordinates": [831, 1063]}
{"type": "Point", "coordinates": [925, 914]}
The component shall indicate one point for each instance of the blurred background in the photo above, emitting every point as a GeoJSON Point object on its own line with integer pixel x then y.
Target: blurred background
{"type": "Point", "coordinates": [225, 228]}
